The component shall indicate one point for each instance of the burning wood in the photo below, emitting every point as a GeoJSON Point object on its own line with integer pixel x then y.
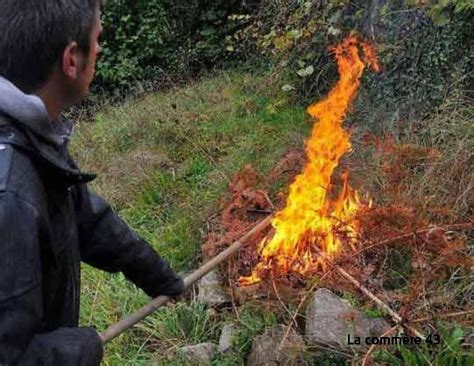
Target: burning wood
{"type": "Point", "coordinates": [311, 219]}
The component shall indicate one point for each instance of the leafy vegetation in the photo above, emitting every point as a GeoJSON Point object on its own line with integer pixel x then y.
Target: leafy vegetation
{"type": "Point", "coordinates": [425, 48]}
{"type": "Point", "coordinates": [158, 39]}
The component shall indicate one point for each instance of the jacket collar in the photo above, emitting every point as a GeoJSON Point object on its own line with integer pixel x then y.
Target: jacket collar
{"type": "Point", "coordinates": [56, 161]}
{"type": "Point", "coordinates": [24, 122]}
{"type": "Point", "coordinates": [29, 110]}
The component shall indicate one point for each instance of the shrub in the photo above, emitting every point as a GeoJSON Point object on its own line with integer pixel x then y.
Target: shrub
{"type": "Point", "coordinates": [153, 39]}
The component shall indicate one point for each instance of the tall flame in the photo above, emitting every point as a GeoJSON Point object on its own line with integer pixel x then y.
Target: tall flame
{"type": "Point", "coordinates": [312, 224]}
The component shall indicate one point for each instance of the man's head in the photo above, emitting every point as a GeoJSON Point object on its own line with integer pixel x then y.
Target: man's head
{"type": "Point", "coordinates": [44, 40]}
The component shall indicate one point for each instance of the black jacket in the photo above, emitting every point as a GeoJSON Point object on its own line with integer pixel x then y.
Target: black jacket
{"type": "Point", "coordinates": [49, 223]}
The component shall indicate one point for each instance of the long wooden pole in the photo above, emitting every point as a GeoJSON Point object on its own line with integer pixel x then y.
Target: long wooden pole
{"type": "Point", "coordinates": [118, 328]}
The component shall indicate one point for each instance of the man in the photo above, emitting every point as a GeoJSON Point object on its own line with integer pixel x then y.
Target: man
{"type": "Point", "coordinates": [49, 221]}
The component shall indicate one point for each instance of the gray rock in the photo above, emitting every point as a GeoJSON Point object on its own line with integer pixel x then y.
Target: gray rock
{"type": "Point", "coordinates": [266, 349]}
{"type": "Point", "coordinates": [330, 320]}
{"type": "Point", "coordinates": [210, 291]}
{"type": "Point", "coordinates": [200, 354]}
{"type": "Point", "coordinates": [227, 336]}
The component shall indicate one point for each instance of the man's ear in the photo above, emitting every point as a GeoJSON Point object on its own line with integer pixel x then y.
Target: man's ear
{"type": "Point", "coordinates": [71, 61]}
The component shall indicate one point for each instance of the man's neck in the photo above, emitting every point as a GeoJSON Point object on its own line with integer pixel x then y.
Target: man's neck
{"type": "Point", "coordinates": [53, 99]}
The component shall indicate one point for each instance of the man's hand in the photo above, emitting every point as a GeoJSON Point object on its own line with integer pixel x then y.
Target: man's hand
{"type": "Point", "coordinates": [175, 289]}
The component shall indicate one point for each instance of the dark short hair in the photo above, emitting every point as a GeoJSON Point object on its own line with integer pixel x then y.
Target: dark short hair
{"type": "Point", "coordinates": [34, 34]}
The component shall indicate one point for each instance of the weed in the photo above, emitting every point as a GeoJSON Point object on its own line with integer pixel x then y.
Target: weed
{"type": "Point", "coordinates": [448, 352]}
{"type": "Point", "coordinates": [252, 322]}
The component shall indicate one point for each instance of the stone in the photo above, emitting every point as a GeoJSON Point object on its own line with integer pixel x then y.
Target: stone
{"type": "Point", "coordinates": [334, 322]}
{"type": "Point", "coordinates": [266, 349]}
{"type": "Point", "coordinates": [227, 337]}
{"type": "Point", "coordinates": [210, 291]}
{"type": "Point", "coordinates": [200, 354]}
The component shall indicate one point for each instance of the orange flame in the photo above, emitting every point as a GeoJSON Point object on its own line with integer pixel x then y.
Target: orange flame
{"type": "Point", "coordinates": [312, 224]}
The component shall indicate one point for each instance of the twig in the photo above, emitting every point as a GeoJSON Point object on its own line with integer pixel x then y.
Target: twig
{"type": "Point", "coordinates": [442, 316]}
{"type": "Point", "coordinates": [293, 317]}
{"type": "Point", "coordinates": [94, 301]}
{"type": "Point", "coordinates": [454, 227]}
{"type": "Point", "coordinates": [288, 330]}
{"type": "Point", "coordinates": [254, 210]}
{"type": "Point", "coordinates": [372, 347]}
{"type": "Point", "coordinates": [269, 201]}
{"type": "Point", "coordinates": [395, 316]}
{"type": "Point", "coordinates": [232, 294]}
{"type": "Point", "coordinates": [279, 297]}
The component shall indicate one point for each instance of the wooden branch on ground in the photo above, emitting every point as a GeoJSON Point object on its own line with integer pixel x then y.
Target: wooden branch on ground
{"type": "Point", "coordinates": [443, 316]}
{"type": "Point", "coordinates": [454, 227]}
{"type": "Point", "coordinates": [365, 360]}
{"type": "Point", "coordinates": [383, 306]}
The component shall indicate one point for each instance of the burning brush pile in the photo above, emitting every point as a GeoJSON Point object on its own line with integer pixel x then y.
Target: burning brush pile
{"type": "Point", "coordinates": [326, 227]}
{"type": "Point", "coordinates": [313, 226]}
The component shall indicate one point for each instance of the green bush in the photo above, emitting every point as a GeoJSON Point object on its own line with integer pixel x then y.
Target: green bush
{"type": "Point", "coordinates": [133, 36]}
{"type": "Point", "coordinates": [156, 39]}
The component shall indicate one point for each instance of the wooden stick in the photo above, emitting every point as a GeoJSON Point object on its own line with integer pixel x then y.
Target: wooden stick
{"type": "Point", "coordinates": [116, 329]}
{"type": "Point", "coordinates": [365, 360]}
{"type": "Point", "coordinates": [454, 227]}
{"type": "Point", "coordinates": [395, 316]}
{"type": "Point", "coordinates": [443, 316]}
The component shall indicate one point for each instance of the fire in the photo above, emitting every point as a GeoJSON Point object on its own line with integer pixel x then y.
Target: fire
{"type": "Point", "coordinates": [312, 224]}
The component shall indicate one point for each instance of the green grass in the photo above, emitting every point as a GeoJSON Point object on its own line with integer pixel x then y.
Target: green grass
{"type": "Point", "coordinates": [252, 321]}
{"type": "Point", "coordinates": [164, 161]}
{"type": "Point", "coordinates": [449, 352]}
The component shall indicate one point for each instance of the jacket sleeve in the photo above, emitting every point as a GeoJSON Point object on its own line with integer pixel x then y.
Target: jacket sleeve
{"type": "Point", "coordinates": [21, 308]}
{"type": "Point", "coordinates": [109, 244]}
